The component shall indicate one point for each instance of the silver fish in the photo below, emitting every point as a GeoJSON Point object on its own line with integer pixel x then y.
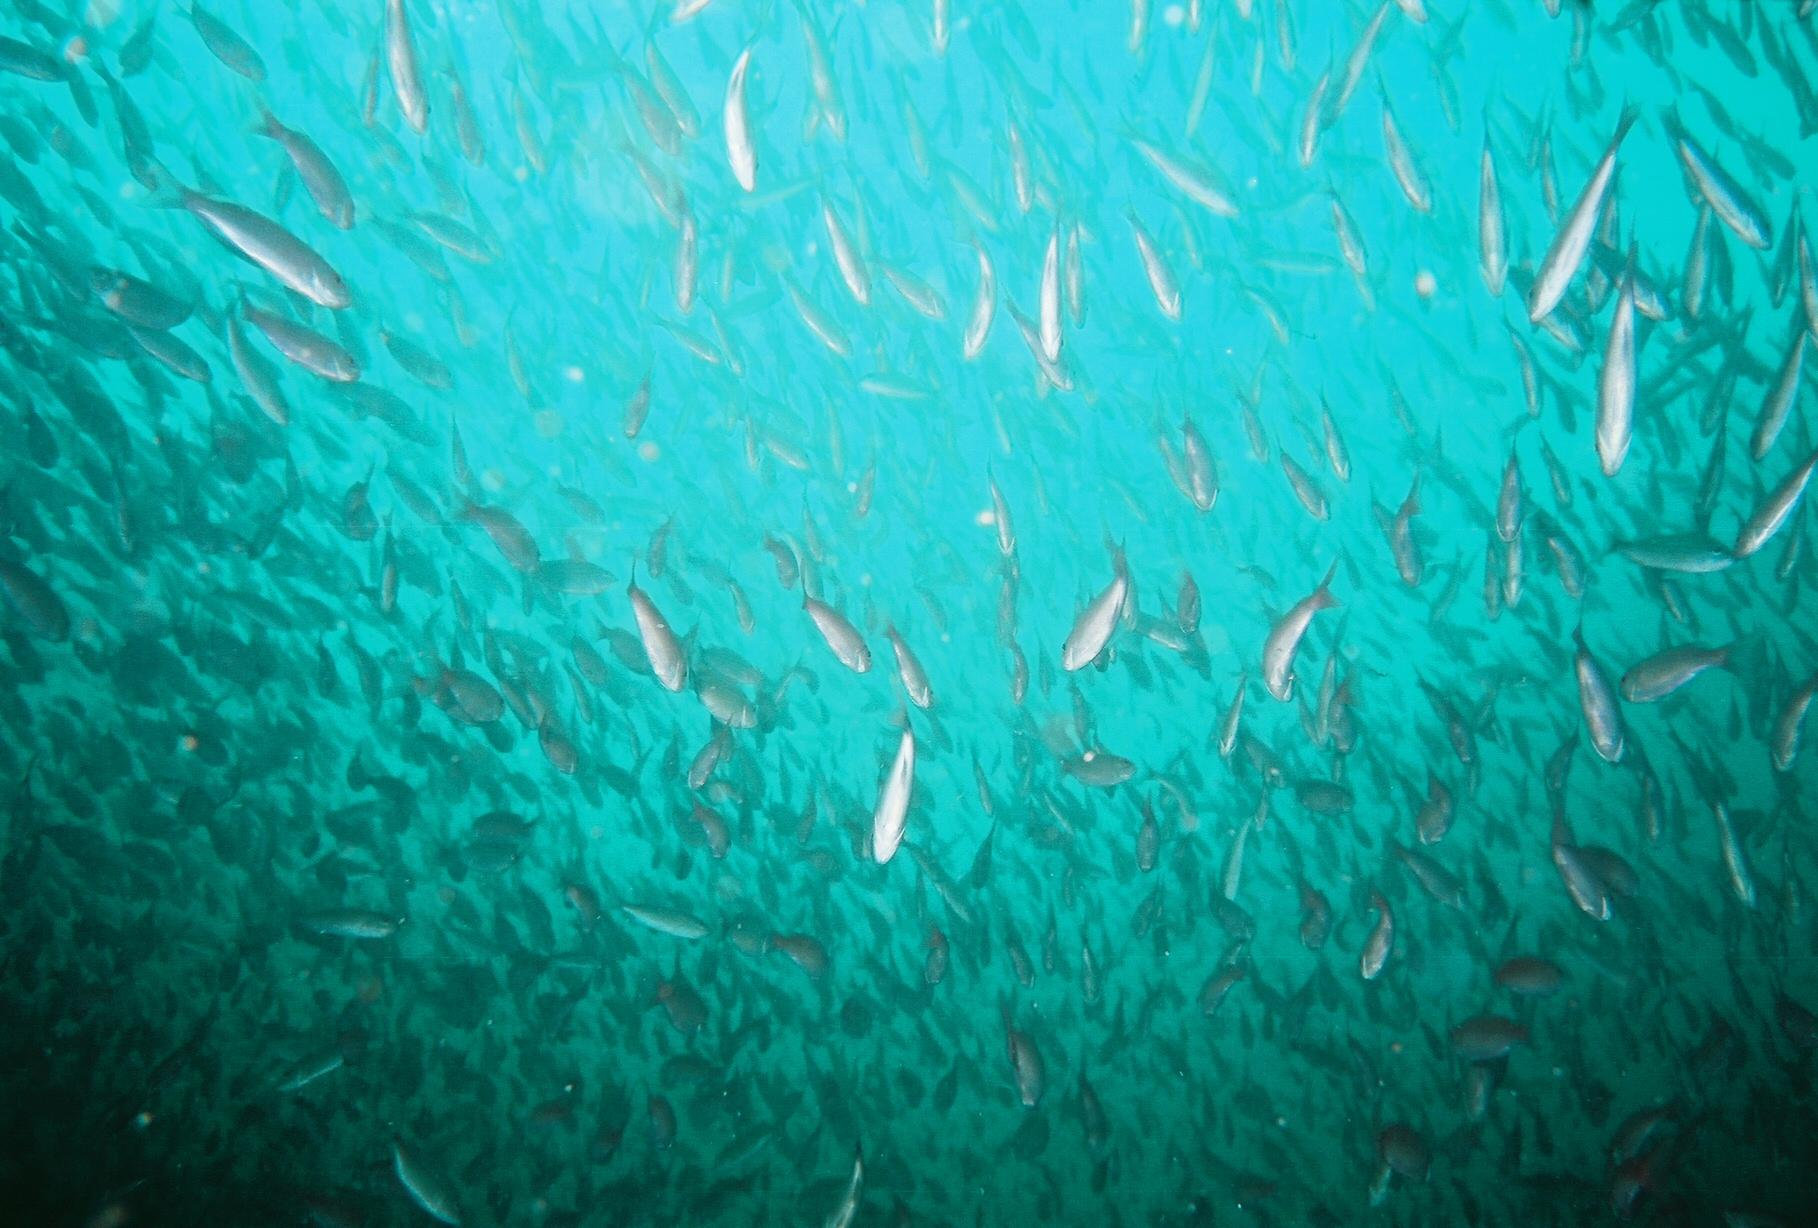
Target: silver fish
{"type": "Point", "coordinates": [1284, 637]}
{"type": "Point", "coordinates": [1570, 243]}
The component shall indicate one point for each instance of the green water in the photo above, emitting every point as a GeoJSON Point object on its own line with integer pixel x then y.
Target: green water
{"type": "Point", "coordinates": [491, 576]}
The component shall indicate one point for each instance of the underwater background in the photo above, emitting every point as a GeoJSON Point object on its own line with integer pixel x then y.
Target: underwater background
{"type": "Point", "coordinates": [951, 612]}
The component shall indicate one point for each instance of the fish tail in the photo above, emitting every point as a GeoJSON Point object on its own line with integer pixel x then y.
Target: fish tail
{"type": "Point", "coordinates": [1325, 585]}
{"type": "Point", "coordinates": [167, 191]}
{"type": "Point", "coordinates": [1630, 112]}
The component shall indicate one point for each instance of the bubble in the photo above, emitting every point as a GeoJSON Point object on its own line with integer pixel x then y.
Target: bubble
{"type": "Point", "coordinates": [648, 451]}
{"type": "Point", "coordinates": [573, 374]}
{"type": "Point", "coordinates": [549, 424]}
{"type": "Point", "coordinates": [1173, 15]}
{"type": "Point", "coordinates": [1425, 284]}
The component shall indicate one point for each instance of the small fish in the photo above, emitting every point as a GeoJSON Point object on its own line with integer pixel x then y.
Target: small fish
{"type": "Point", "coordinates": [1771, 515]}
{"type": "Point", "coordinates": [307, 348]}
{"type": "Point", "coordinates": [1728, 202]}
{"type": "Point", "coordinates": [401, 58]}
{"type": "Point", "coordinates": [226, 44]}
{"type": "Point", "coordinates": [846, 1211]}
{"type": "Point", "coordinates": [667, 921]}
{"type": "Point", "coordinates": [909, 670]}
{"type": "Point", "coordinates": [661, 648]}
{"type": "Point", "coordinates": [1284, 637]}
{"type": "Point", "coordinates": [1597, 702]}
{"type": "Point", "coordinates": [741, 152]}
{"type": "Point", "coordinates": [1566, 252]}
{"type": "Point", "coordinates": [841, 636]}
{"type": "Point", "coordinates": [1616, 381]}
{"type": "Point", "coordinates": [890, 817]}
{"type": "Point", "coordinates": [1666, 671]}
{"type": "Point", "coordinates": [1381, 940]}
{"type": "Point", "coordinates": [424, 1186]}
{"type": "Point", "coordinates": [1492, 238]}
{"type": "Point", "coordinates": [1094, 626]}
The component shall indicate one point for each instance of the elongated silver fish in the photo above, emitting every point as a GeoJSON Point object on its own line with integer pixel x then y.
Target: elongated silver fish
{"type": "Point", "coordinates": [1694, 553]}
{"type": "Point", "coordinates": [661, 647]}
{"type": "Point", "coordinates": [267, 244]}
{"type": "Point", "coordinates": [1666, 671]}
{"type": "Point", "coordinates": [1616, 382]}
{"type": "Point", "coordinates": [841, 636]}
{"type": "Point", "coordinates": [1284, 637]}
{"type": "Point", "coordinates": [1735, 859]}
{"type": "Point", "coordinates": [401, 59]}
{"type": "Point", "coordinates": [890, 817]}
{"type": "Point", "coordinates": [1789, 725]}
{"type": "Point", "coordinates": [667, 921]}
{"type": "Point", "coordinates": [1777, 406]}
{"type": "Point", "coordinates": [1775, 510]}
{"type": "Point", "coordinates": [425, 1186]}
{"type": "Point", "coordinates": [846, 1211]}
{"type": "Point", "coordinates": [306, 347]}
{"type": "Point", "coordinates": [1566, 252]}
{"type": "Point", "coordinates": [1492, 239]}
{"type": "Point", "coordinates": [1093, 628]}
{"type": "Point", "coordinates": [909, 670]}
{"type": "Point", "coordinates": [741, 151]}
{"type": "Point", "coordinates": [1597, 701]}
{"type": "Point", "coordinates": [1723, 194]}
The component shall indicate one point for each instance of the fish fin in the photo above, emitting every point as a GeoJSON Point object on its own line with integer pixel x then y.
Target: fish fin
{"type": "Point", "coordinates": [169, 192]}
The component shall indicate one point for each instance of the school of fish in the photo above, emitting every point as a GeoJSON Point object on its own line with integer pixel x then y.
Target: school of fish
{"type": "Point", "coordinates": [1170, 612]}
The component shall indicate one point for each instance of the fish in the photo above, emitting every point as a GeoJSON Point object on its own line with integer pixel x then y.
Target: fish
{"type": "Point", "coordinates": [34, 601]}
{"type": "Point", "coordinates": [1597, 703]}
{"type": "Point", "coordinates": [1670, 669]}
{"type": "Point", "coordinates": [1691, 553]}
{"type": "Point", "coordinates": [1566, 253]}
{"type": "Point", "coordinates": [1380, 943]}
{"type": "Point", "coordinates": [741, 151]}
{"type": "Point", "coordinates": [226, 43]}
{"type": "Point", "coordinates": [1728, 202]}
{"type": "Point", "coordinates": [846, 1211]}
{"type": "Point", "coordinates": [1789, 725]}
{"type": "Point", "coordinates": [401, 61]}
{"type": "Point", "coordinates": [667, 921]}
{"type": "Point", "coordinates": [909, 671]}
{"type": "Point", "coordinates": [424, 1186]}
{"type": "Point", "coordinates": [291, 261]}
{"type": "Point", "coordinates": [1096, 623]}
{"type": "Point", "coordinates": [662, 649]}
{"type": "Point", "coordinates": [890, 817]}
{"type": "Point", "coordinates": [346, 346]}
{"type": "Point", "coordinates": [1773, 512]}
{"type": "Point", "coordinates": [984, 307]}
{"type": "Point", "coordinates": [305, 347]}
{"type": "Point", "coordinates": [1616, 381]}
{"type": "Point", "coordinates": [1284, 637]}
{"type": "Point", "coordinates": [1194, 182]}
{"type": "Point", "coordinates": [840, 635]}
{"type": "Point", "coordinates": [1492, 238]}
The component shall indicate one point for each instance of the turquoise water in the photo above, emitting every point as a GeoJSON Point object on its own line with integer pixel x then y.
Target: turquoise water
{"type": "Point", "coordinates": [441, 547]}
